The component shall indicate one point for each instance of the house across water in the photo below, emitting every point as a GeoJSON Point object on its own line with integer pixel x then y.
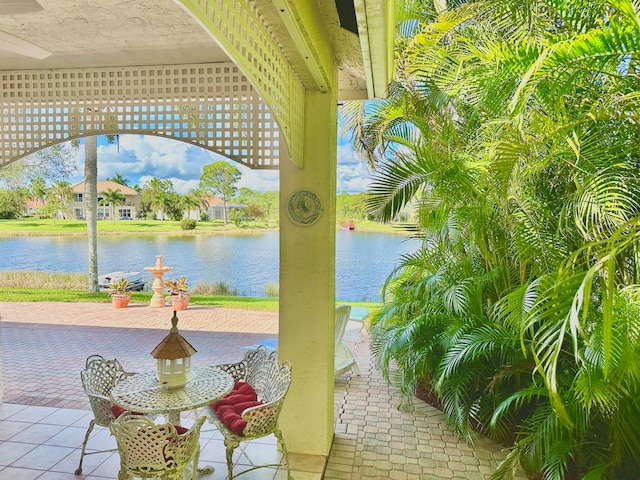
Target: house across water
{"type": "Point", "coordinates": [128, 210]}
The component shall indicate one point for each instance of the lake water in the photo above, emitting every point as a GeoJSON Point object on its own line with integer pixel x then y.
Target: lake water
{"type": "Point", "coordinates": [247, 263]}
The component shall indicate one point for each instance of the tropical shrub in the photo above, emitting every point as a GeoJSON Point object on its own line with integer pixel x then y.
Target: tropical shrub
{"type": "Point", "coordinates": [237, 216]}
{"type": "Point", "coordinates": [188, 224]}
{"type": "Point", "coordinates": [511, 126]}
{"type": "Point", "coordinates": [119, 287]}
{"type": "Point", "coordinates": [177, 286]}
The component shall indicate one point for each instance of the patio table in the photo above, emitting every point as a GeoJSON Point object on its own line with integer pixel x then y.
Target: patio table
{"type": "Point", "coordinates": [142, 393]}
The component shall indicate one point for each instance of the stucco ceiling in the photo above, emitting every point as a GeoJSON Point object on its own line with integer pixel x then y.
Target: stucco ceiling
{"type": "Point", "coordinates": [107, 33]}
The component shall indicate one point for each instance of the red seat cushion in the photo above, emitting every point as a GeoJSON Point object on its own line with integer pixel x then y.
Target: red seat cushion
{"type": "Point", "coordinates": [118, 410]}
{"type": "Point", "coordinates": [233, 400]}
{"type": "Point", "coordinates": [231, 419]}
{"type": "Point", "coordinates": [242, 392]}
{"type": "Point", "coordinates": [229, 409]}
{"type": "Point", "coordinates": [244, 388]}
{"type": "Point", "coordinates": [181, 430]}
{"type": "Point", "coordinates": [241, 407]}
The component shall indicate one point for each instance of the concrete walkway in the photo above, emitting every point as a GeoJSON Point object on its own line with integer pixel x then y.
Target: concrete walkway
{"type": "Point", "coordinates": [44, 346]}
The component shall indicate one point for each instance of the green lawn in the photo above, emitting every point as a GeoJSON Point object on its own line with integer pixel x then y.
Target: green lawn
{"type": "Point", "coordinates": [72, 295]}
{"type": "Point", "coordinates": [36, 226]}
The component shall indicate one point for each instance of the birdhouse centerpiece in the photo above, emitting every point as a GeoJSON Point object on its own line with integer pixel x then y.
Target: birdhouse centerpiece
{"type": "Point", "coordinates": [173, 355]}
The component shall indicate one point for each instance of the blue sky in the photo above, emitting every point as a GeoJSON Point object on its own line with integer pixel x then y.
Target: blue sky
{"type": "Point", "coordinates": [142, 157]}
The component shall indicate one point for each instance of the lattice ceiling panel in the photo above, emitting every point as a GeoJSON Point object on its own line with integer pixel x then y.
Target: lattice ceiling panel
{"type": "Point", "coordinates": [239, 28]}
{"type": "Point", "coordinates": [210, 105]}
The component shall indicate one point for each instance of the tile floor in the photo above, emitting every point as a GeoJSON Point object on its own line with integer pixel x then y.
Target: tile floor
{"type": "Point", "coordinates": [44, 443]}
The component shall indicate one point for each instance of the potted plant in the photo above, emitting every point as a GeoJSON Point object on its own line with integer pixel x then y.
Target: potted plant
{"type": "Point", "coordinates": [120, 294]}
{"type": "Point", "coordinates": [178, 293]}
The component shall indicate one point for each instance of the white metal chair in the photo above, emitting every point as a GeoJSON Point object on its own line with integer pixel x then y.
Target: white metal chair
{"type": "Point", "coordinates": [148, 450]}
{"type": "Point", "coordinates": [344, 359]}
{"type": "Point", "coordinates": [98, 379]}
{"type": "Point", "coordinates": [271, 381]}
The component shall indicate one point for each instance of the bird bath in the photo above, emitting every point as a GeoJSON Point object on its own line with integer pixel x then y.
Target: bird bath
{"type": "Point", "coordinates": [157, 300]}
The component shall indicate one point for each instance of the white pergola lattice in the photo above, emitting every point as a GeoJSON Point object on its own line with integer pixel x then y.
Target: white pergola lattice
{"type": "Point", "coordinates": [213, 106]}
{"type": "Point", "coordinates": [242, 32]}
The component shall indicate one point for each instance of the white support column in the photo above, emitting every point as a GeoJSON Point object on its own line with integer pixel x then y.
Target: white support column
{"type": "Point", "coordinates": [307, 284]}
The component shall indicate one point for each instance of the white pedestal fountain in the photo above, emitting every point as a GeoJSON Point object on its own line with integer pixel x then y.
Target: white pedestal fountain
{"type": "Point", "coordinates": [157, 300]}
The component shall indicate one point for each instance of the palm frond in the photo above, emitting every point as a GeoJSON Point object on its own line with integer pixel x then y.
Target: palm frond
{"type": "Point", "coordinates": [605, 203]}
{"type": "Point", "coordinates": [549, 323]}
{"type": "Point", "coordinates": [600, 49]}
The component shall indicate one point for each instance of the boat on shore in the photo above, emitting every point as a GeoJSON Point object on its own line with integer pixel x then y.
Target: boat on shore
{"type": "Point", "coordinates": [134, 279]}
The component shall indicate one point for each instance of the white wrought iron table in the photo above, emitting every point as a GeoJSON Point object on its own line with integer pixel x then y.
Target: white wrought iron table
{"type": "Point", "coordinates": [142, 393]}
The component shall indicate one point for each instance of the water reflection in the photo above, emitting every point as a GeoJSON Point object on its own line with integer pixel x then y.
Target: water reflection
{"type": "Point", "coordinates": [247, 263]}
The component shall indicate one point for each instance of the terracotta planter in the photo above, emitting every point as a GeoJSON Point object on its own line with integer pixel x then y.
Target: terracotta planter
{"type": "Point", "coordinates": [180, 302]}
{"type": "Point", "coordinates": [120, 300]}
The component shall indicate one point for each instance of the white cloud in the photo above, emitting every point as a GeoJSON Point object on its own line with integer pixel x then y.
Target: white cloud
{"type": "Point", "coordinates": [347, 155]}
{"type": "Point", "coordinates": [139, 158]}
{"type": "Point", "coordinates": [353, 174]}
{"type": "Point", "coordinates": [155, 156]}
{"type": "Point", "coordinates": [352, 178]}
{"type": "Point", "coordinates": [260, 180]}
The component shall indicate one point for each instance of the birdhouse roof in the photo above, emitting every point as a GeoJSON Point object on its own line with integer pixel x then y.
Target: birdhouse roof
{"type": "Point", "coordinates": [174, 345]}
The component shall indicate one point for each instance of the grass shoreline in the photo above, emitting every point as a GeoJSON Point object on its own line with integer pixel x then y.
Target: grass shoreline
{"type": "Point", "coordinates": [266, 304]}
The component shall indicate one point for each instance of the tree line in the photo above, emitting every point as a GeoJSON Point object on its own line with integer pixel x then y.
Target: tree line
{"type": "Point", "coordinates": [159, 200]}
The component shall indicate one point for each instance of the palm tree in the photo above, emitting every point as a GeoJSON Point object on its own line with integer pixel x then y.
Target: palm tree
{"type": "Point", "coordinates": [91, 200]}
{"type": "Point", "coordinates": [112, 198]}
{"type": "Point", "coordinates": [190, 201]}
{"type": "Point", "coordinates": [38, 188]}
{"type": "Point", "coordinates": [158, 194]}
{"type": "Point", "coordinates": [203, 200]}
{"type": "Point", "coordinates": [510, 126]}
{"type": "Point", "coordinates": [61, 190]}
{"type": "Point", "coordinates": [119, 178]}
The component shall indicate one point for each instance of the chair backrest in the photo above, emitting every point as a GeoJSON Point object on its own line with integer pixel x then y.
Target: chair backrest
{"type": "Point", "coordinates": [98, 379]}
{"type": "Point", "coordinates": [270, 379]}
{"type": "Point", "coordinates": [147, 447]}
{"type": "Point", "coordinates": [342, 318]}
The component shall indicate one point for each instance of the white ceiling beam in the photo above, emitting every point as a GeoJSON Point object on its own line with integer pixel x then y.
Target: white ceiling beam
{"type": "Point", "coordinates": [14, 44]}
{"type": "Point", "coordinates": [292, 20]}
{"type": "Point", "coordinates": [376, 24]}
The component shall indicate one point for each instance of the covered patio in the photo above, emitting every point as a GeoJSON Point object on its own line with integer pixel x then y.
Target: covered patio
{"type": "Point", "coordinates": [256, 81]}
{"type": "Point", "coordinates": [46, 414]}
